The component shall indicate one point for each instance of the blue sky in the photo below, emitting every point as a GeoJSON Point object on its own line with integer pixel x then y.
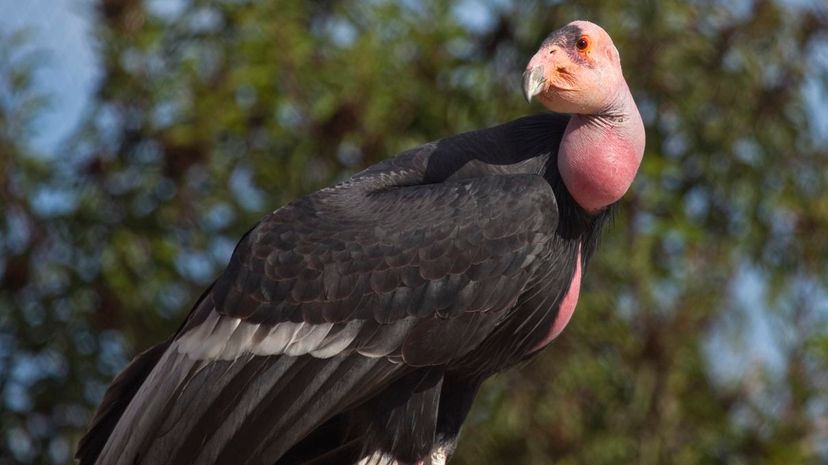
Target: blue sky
{"type": "Point", "coordinates": [61, 31]}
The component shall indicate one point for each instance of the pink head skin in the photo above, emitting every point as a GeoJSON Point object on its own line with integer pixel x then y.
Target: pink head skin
{"type": "Point", "coordinates": [578, 70]}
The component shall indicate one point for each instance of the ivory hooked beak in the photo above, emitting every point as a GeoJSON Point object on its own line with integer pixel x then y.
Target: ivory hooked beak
{"type": "Point", "coordinates": [533, 80]}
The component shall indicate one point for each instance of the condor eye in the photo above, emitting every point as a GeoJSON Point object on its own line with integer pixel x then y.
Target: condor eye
{"type": "Point", "coordinates": [583, 43]}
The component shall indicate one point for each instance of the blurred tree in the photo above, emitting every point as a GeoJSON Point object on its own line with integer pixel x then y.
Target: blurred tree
{"type": "Point", "coordinates": [210, 114]}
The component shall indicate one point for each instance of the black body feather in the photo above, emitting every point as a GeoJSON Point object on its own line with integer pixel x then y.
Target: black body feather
{"type": "Point", "coordinates": [359, 321]}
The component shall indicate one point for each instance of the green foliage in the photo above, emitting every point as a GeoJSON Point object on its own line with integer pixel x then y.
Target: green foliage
{"type": "Point", "coordinates": [208, 119]}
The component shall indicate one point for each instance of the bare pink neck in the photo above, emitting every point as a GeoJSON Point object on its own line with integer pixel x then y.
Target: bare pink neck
{"type": "Point", "coordinates": [600, 154]}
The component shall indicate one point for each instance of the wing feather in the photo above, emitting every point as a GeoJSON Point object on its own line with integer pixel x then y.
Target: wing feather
{"type": "Point", "coordinates": [326, 302]}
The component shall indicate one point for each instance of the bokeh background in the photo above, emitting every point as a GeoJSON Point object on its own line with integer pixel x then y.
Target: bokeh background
{"type": "Point", "coordinates": [140, 139]}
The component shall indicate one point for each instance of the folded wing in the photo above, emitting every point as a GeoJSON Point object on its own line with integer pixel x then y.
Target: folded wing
{"type": "Point", "coordinates": [325, 304]}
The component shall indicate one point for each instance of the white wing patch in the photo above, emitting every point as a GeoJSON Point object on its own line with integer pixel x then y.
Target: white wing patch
{"type": "Point", "coordinates": [221, 337]}
{"type": "Point", "coordinates": [226, 338]}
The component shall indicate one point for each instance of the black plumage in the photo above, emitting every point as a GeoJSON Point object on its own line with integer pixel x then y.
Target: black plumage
{"type": "Point", "coordinates": [358, 322]}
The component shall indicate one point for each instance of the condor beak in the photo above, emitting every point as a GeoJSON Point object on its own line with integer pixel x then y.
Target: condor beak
{"type": "Point", "coordinates": [533, 80]}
